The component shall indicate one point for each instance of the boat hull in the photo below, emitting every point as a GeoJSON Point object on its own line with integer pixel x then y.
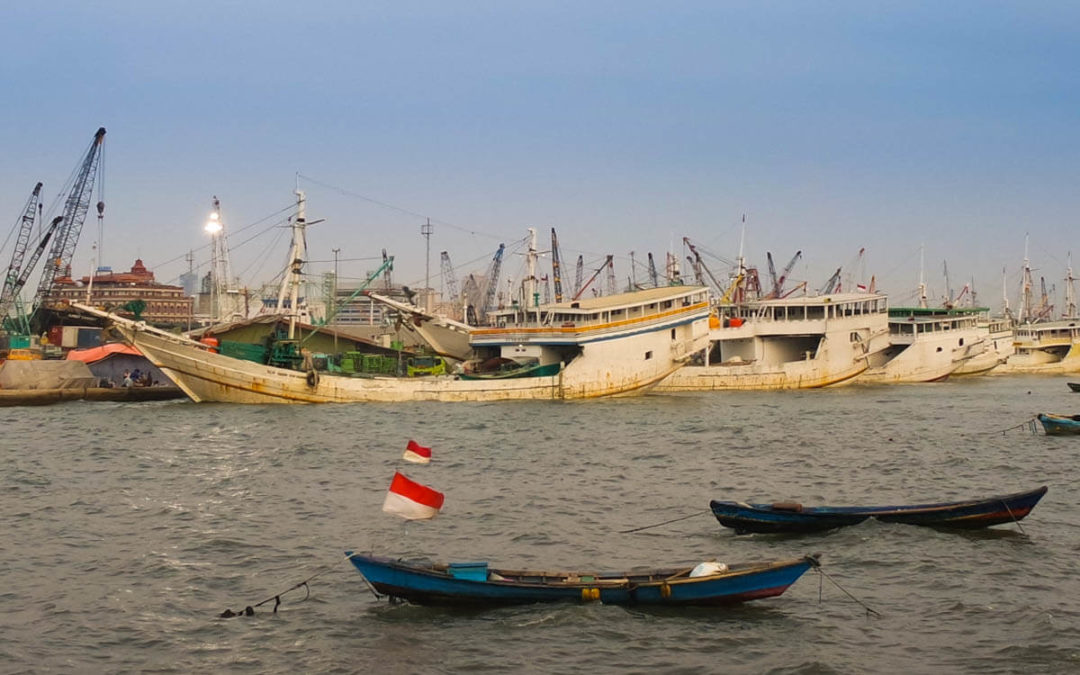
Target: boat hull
{"type": "Point", "coordinates": [1059, 425]}
{"type": "Point", "coordinates": [433, 585]}
{"type": "Point", "coordinates": [206, 376]}
{"type": "Point", "coordinates": [788, 518]}
{"type": "Point", "coordinates": [604, 358]}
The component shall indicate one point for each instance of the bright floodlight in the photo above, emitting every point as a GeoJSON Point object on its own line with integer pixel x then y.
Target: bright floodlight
{"type": "Point", "coordinates": [213, 226]}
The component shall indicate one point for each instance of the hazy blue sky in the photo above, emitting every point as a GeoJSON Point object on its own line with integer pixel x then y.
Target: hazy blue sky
{"type": "Point", "coordinates": [625, 125]}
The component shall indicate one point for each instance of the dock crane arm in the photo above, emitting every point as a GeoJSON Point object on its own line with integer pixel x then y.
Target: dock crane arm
{"type": "Point", "coordinates": [16, 273]}
{"type": "Point", "coordinates": [556, 272]}
{"type": "Point", "coordinates": [701, 263]}
{"type": "Point", "coordinates": [66, 235]}
{"type": "Point", "coordinates": [786, 271]}
{"type": "Point", "coordinates": [493, 280]}
{"type": "Point", "coordinates": [607, 261]}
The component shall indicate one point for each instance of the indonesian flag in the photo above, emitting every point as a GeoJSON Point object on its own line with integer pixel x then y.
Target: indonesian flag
{"type": "Point", "coordinates": [416, 453]}
{"type": "Point", "coordinates": [411, 500]}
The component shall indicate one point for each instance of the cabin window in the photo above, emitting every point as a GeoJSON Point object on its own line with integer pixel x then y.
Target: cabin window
{"type": "Point", "coordinates": [672, 333]}
{"type": "Point", "coordinates": [939, 349]}
{"type": "Point", "coordinates": [648, 355]}
{"type": "Point", "coordinates": [961, 342]}
{"type": "Point", "coordinates": [666, 304]}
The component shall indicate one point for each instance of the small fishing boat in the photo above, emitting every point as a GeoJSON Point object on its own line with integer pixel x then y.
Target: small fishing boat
{"type": "Point", "coordinates": [795, 518]}
{"type": "Point", "coordinates": [476, 584]}
{"type": "Point", "coordinates": [1059, 425]}
{"type": "Point", "coordinates": [1075, 386]}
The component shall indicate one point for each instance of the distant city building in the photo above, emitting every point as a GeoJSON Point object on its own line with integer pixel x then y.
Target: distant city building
{"type": "Point", "coordinates": [166, 305]}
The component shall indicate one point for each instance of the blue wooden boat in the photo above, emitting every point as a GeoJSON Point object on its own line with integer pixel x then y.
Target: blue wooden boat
{"type": "Point", "coordinates": [476, 584]}
{"type": "Point", "coordinates": [1054, 424]}
{"type": "Point", "coordinates": [791, 517]}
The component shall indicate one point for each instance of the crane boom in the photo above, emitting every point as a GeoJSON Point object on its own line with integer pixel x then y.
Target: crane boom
{"type": "Point", "coordinates": [579, 274]}
{"type": "Point", "coordinates": [831, 283]}
{"type": "Point", "coordinates": [556, 276]}
{"type": "Point", "coordinates": [607, 261]}
{"type": "Point", "coordinates": [786, 271]}
{"type": "Point", "coordinates": [15, 277]}
{"type": "Point", "coordinates": [493, 280]}
{"type": "Point", "coordinates": [66, 236]}
{"type": "Point", "coordinates": [701, 263]}
{"type": "Point", "coordinates": [652, 272]}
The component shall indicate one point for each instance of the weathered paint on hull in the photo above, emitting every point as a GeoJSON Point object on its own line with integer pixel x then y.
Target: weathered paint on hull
{"type": "Point", "coordinates": [919, 362]}
{"type": "Point", "coordinates": [752, 377]}
{"type": "Point", "coordinates": [206, 376]}
{"type": "Point", "coordinates": [1038, 362]}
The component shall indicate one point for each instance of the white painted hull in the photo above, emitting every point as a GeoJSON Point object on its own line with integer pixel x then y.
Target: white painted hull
{"type": "Point", "coordinates": [835, 363]}
{"type": "Point", "coordinates": [771, 353]}
{"type": "Point", "coordinates": [205, 376]}
{"type": "Point", "coordinates": [620, 358]}
{"type": "Point", "coordinates": [928, 359]}
{"type": "Point", "coordinates": [998, 349]}
{"type": "Point", "coordinates": [1052, 348]}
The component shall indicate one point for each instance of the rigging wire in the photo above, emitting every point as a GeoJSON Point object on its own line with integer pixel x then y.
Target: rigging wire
{"type": "Point", "coordinates": [385, 205]}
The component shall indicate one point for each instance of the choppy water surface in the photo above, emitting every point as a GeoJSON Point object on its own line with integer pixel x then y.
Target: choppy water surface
{"type": "Point", "coordinates": [128, 528]}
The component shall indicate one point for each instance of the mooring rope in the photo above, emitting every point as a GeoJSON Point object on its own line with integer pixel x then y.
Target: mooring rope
{"type": "Point", "coordinates": [1029, 423]}
{"type": "Point", "coordinates": [837, 584]}
{"type": "Point", "coordinates": [666, 522]}
{"type": "Point", "coordinates": [1011, 515]}
{"type": "Point", "coordinates": [250, 609]}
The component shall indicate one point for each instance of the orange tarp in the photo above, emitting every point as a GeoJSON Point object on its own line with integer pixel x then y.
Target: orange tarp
{"type": "Point", "coordinates": [95, 354]}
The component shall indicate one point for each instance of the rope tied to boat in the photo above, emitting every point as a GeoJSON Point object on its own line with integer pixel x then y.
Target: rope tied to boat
{"type": "Point", "coordinates": [1013, 516]}
{"type": "Point", "coordinates": [1029, 423]}
{"type": "Point", "coordinates": [666, 522]}
{"type": "Point", "coordinates": [250, 609]}
{"type": "Point", "coordinates": [816, 564]}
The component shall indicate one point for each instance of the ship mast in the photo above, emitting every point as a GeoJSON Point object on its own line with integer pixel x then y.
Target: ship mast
{"type": "Point", "coordinates": [297, 253]}
{"type": "Point", "coordinates": [1025, 293]}
{"type": "Point", "coordinates": [922, 281]}
{"type": "Point", "coordinates": [1070, 292]}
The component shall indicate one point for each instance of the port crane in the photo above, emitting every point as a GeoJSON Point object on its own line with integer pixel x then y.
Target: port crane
{"type": "Point", "coordinates": [607, 261]}
{"type": "Point", "coordinates": [778, 281]}
{"type": "Point", "coordinates": [19, 268]}
{"type": "Point", "coordinates": [699, 263]}
{"type": "Point", "coordinates": [492, 284]}
{"type": "Point", "coordinates": [556, 271]}
{"type": "Point", "coordinates": [68, 227]}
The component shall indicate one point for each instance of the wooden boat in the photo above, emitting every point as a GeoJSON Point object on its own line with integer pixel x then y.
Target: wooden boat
{"type": "Point", "coordinates": [791, 517]}
{"type": "Point", "coordinates": [476, 584]}
{"type": "Point", "coordinates": [612, 345]}
{"type": "Point", "coordinates": [1075, 386]}
{"type": "Point", "coordinates": [786, 343]}
{"type": "Point", "coordinates": [1059, 425]}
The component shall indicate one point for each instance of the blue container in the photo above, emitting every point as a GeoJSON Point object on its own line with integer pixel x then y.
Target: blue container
{"type": "Point", "coordinates": [471, 571]}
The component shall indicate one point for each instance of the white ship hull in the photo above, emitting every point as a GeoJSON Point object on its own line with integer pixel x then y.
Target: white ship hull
{"type": "Point", "coordinates": [1051, 348]}
{"type": "Point", "coordinates": [801, 343]}
{"type": "Point", "coordinates": [926, 347]}
{"type": "Point", "coordinates": [998, 342]}
{"type": "Point", "coordinates": [654, 335]}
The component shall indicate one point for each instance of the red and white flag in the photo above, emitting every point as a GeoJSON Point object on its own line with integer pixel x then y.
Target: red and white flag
{"type": "Point", "coordinates": [411, 500]}
{"type": "Point", "coordinates": [416, 453]}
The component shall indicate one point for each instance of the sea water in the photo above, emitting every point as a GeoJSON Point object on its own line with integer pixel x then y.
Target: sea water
{"type": "Point", "coordinates": [127, 529]}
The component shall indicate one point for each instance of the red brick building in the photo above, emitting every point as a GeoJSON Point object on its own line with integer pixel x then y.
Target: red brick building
{"type": "Point", "coordinates": [165, 305]}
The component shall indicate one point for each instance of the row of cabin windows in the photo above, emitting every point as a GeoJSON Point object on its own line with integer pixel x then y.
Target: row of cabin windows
{"type": "Point", "coordinates": [811, 312]}
{"type": "Point", "coordinates": [931, 327]}
{"type": "Point", "coordinates": [613, 315]}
